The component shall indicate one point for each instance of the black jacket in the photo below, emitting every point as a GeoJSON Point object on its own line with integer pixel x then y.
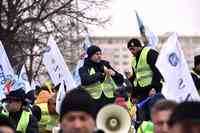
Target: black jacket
{"type": "Point", "coordinates": [157, 77]}
{"type": "Point", "coordinates": [196, 80]}
{"type": "Point", "coordinates": [32, 125]}
{"type": "Point", "coordinates": [99, 76]}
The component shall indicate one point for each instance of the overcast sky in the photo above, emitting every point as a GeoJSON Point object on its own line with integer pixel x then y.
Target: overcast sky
{"type": "Point", "coordinates": [182, 16]}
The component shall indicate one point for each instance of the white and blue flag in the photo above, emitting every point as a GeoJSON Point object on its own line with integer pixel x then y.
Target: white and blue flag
{"type": "Point", "coordinates": [171, 62]}
{"type": "Point", "coordinates": [144, 30]}
{"type": "Point", "coordinates": [58, 70]}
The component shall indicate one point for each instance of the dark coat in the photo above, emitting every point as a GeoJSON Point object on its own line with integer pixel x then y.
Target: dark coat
{"type": "Point", "coordinates": [32, 125]}
{"type": "Point", "coordinates": [156, 79]}
{"type": "Point", "coordinates": [99, 76]}
{"type": "Point", "coordinates": [196, 80]}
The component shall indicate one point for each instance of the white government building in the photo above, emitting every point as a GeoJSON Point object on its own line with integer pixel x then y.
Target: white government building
{"type": "Point", "coordinates": [115, 50]}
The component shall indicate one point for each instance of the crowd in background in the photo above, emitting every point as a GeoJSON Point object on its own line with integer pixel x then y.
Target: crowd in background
{"type": "Point", "coordinates": [139, 93]}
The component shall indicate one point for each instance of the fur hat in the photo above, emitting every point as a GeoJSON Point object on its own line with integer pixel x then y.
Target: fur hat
{"type": "Point", "coordinates": [92, 50]}
{"type": "Point", "coordinates": [78, 100]}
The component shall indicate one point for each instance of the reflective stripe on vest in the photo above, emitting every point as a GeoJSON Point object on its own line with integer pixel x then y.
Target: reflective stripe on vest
{"type": "Point", "coordinates": [198, 76]}
{"type": "Point", "coordinates": [107, 87]}
{"type": "Point", "coordinates": [143, 70]}
{"type": "Point", "coordinates": [23, 122]}
{"type": "Point", "coordinates": [5, 113]}
{"type": "Point", "coordinates": [131, 108]}
{"type": "Point", "coordinates": [146, 127]}
{"type": "Point", "coordinates": [133, 62]}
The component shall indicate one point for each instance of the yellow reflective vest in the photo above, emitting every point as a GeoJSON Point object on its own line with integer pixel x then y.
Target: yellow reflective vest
{"type": "Point", "coordinates": [146, 127]}
{"type": "Point", "coordinates": [143, 70]}
{"type": "Point", "coordinates": [23, 121]}
{"type": "Point", "coordinates": [108, 87]}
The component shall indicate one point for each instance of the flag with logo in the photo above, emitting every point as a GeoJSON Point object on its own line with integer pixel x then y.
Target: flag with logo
{"type": "Point", "coordinates": [24, 77]}
{"type": "Point", "coordinates": [58, 70]}
{"type": "Point", "coordinates": [6, 71]}
{"type": "Point", "coordinates": [86, 44]}
{"type": "Point", "coordinates": [171, 62]}
{"type": "Point", "coordinates": [145, 31]}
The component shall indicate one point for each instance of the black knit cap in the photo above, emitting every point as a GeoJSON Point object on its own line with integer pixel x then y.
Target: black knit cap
{"type": "Point", "coordinates": [92, 50]}
{"type": "Point", "coordinates": [78, 100]}
{"type": "Point", "coordinates": [18, 94]}
{"type": "Point", "coordinates": [196, 60]}
{"type": "Point", "coordinates": [134, 42]}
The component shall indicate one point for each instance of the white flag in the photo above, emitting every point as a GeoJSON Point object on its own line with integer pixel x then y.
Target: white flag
{"type": "Point", "coordinates": [144, 30]}
{"type": "Point", "coordinates": [6, 70]}
{"type": "Point", "coordinates": [86, 44]}
{"type": "Point", "coordinates": [57, 69]}
{"type": "Point", "coordinates": [24, 77]}
{"type": "Point", "coordinates": [171, 62]}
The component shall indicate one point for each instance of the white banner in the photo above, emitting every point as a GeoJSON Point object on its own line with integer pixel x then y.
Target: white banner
{"type": "Point", "coordinates": [57, 69]}
{"type": "Point", "coordinates": [86, 44]}
{"type": "Point", "coordinates": [151, 37]}
{"type": "Point", "coordinates": [24, 78]}
{"type": "Point", "coordinates": [171, 62]}
{"type": "Point", "coordinates": [6, 70]}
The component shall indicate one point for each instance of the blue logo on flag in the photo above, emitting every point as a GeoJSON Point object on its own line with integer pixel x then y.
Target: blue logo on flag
{"type": "Point", "coordinates": [173, 59]}
{"type": "Point", "coordinates": [47, 49]}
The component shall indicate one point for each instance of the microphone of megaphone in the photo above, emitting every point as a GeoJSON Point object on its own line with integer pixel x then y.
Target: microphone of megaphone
{"type": "Point", "coordinates": [113, 119]}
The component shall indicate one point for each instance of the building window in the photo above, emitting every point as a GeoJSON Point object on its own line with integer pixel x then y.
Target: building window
{"type": "Point", "coordinates": [116, 56]}
{"type": "Point", "coordinates": [125, 63]}
{"type": "Point", "coordinates": [125, 56]}
{"type": "Point", "coordinates": [116, 63]}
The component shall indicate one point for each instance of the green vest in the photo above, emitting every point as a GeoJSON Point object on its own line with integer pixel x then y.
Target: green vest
{"type": "Point", "coordinates": [146, 127]}
{"type": "Point", "coordinates": [143, 70]}
{"type": "Point", "coordinates": [108, 87]}
{"type": "Point", "coordinates": [47, 121]}
{"type": "Point", "coordinates": [23, 121]}
{"type": "Point", "coordinates": [133, 62]}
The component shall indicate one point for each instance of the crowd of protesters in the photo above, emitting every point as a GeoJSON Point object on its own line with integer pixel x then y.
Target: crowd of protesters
{"type": "Point", "coordinates": [101, 84]}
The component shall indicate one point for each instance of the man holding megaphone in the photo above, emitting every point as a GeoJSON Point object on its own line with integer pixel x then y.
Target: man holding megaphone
{"type": "Point", "coordinates": [99, 78]}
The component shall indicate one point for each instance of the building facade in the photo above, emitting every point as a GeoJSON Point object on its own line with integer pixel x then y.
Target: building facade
{"type": "Point", "coordinates": [115, 50]}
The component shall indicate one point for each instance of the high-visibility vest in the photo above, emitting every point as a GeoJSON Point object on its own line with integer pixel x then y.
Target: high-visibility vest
{"type": "Point", "coordinates": [195, 73]}
{"type": "Point", "coordinates": [23, 122]}
{"type": "Point", "coordinates": [133, 62]}
{"type": "Point", "coordinates": [143, 70]}
{"type": "Point", "coordinates": [108, 87]}
{"type": "Point", "coordinates": [131, 109]}
{"type": "Point", "coordinates": [146, 127]}
{"type": "Point", "coordinates": [47, 121]}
